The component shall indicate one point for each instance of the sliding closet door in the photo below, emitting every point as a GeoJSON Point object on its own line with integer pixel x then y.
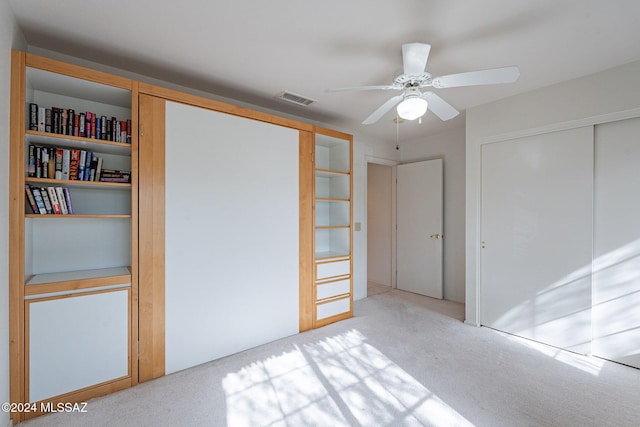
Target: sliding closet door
{"type": "Point", "coordinates": [616, 266]}
{"type": "Point", "coordinates": [232, 227]}
{"type": "Point", "coordinates": [536, 237]}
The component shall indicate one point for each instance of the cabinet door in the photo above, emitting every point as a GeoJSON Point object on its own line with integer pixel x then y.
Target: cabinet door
{"type": "Point", "coordinates": [616, 264]}
{"type": "Point", "coordinates": [76, 342]}
{"type": "Point", "coordinates": [536, 233]}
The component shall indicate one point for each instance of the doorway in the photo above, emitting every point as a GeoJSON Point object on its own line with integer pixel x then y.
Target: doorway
{"type": "Point", "coordinates": [380, 228]}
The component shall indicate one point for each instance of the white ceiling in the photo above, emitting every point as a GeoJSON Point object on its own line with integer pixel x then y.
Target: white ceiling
{"type": "Point", "coordinates": [251, 50]}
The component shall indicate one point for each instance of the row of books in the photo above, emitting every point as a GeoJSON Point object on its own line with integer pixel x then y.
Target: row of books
{"type": "Point", "coordinates": [49, 200]}
{"type": "Point", "coordinates": [66, 121]}
{"type": "Point", "coordinates": [70, 164]}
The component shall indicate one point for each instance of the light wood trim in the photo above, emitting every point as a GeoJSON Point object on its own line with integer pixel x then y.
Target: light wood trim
{"type": "Point", "coordinates": [47, 64]}
{"type": "Point", "coordinates": [333, 172]}
{"type": "Point", "coordinates": [134, 302]}
{"type": "Point", "coordinates": [335, 134]}
{"type": "Point", "coordinates": [61, 216]}
{"type": "Point", "coordinates": [65, 137]}
{"type": "Point", "coordinates": [83, 395]}
{"type": "Point", "coordinates": [199, 101]}
{"type": "Point", "coordinates": [74, 285]}
{"type": "Point", "coordinates": [151, 238]}
{"type": "Point", "coordinates": [306, 187]}
{"type": "Point", "coordinates": [17, 126]}
{"type": "Point", "coordinates": [76, 183]}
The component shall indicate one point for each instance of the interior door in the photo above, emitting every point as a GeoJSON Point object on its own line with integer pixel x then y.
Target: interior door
{"type": "Point", "coordinates": [536, 237]}
{"type": "Point", "coordinates": [616, 252]}
{"type": "Point", "coordinates": [419, 221]}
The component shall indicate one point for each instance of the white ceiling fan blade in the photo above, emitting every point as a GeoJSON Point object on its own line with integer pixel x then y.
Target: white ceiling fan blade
{"type": "Point", "coordinates": [356, 88]}
{"type": "Point", "coordinates": [414, 58]}
{"type": "Point", "coordinates": [382, 110]}
{"type": "Point", "coordinates": [439, 106]}
{"type": "Point", "coordinates": [482, 77]}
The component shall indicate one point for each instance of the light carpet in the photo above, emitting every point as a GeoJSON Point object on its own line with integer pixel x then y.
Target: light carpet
{"type": "Point", "coordinates": [403, 360]}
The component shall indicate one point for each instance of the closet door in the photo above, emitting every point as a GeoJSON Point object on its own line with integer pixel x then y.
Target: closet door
{"type": "Point", "coordinates": [536, 237]}
{"type": "Point", "coordinates": [616, 264]}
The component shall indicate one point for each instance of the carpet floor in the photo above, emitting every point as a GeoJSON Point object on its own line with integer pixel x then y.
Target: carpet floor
{"type": "Point", "coordinates": [402, 360]}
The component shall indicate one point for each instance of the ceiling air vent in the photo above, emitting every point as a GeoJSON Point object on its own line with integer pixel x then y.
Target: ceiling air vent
{"type": "Point", "coordinates": [296, 99]}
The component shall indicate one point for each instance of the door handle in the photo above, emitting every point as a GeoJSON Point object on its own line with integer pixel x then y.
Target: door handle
{"type": "Point", "coordinates": [437, 236]}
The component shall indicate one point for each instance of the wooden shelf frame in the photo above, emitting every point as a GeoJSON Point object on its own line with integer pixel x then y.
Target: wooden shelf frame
{"type": "Point", "coordinates": [22, 64]}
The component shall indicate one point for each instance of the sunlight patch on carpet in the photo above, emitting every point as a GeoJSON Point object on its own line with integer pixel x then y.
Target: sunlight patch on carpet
{"type": "Point", "coordinates": [338, 381]}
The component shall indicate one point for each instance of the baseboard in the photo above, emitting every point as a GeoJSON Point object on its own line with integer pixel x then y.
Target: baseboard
{"type": "Point", "coordinates": [470, 323]}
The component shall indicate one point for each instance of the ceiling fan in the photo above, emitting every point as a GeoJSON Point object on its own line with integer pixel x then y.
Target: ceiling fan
{"type": "Point", "coordinates": [413, 102]}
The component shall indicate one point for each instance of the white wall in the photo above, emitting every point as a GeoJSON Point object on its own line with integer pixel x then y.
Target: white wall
{"type": "Point", "coordinates": [10, 38]}
{"type": "Point", "coordinates": [450, 146]}
{"type": "Point", "coordinates": [602, 97]}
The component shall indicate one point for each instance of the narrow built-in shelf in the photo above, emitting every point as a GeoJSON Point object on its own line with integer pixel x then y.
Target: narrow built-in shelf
{"type": "Point", "coordinates": [74, 280]}
{"type": "Point", "coordinates": [70, 141]}
{"type": "Point", "coordinates": [319, 227]}
{"type": "Point", "coordinates": [76, 183]}
{"type": "Point", "coordinates": [332, 199]}
{"type": "Point", "coordinates": [76, 216]}
{"type": "Point", "coordinates": [324, 256]}
{"type": "Point", "coordinates": [328, 173]}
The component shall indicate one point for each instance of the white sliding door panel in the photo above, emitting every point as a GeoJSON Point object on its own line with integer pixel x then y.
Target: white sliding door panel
{"type": "Point", "coordinates": [536, 229]}
{"type": "Point", "coordinates": [616, 267]}
{"type": "Point", "coordinates": [419, 219]}
{"type": "Point", "coordinates": [232, 222]}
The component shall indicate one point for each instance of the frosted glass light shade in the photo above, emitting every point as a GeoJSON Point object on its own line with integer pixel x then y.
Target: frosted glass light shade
{"type": "Point", "coordinates": [412, 108]}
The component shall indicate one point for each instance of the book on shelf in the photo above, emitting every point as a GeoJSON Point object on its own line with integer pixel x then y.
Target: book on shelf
{"type": "Point", "coordinates": [87, 166]}
{"type": "Point", "coordinates": [74, 164]}
{"type": "Point", "coordinates": [98, 169]}
{"type": "Point", "coordinates": [33, 116]}
{"type": "Point", "coordinates": [41, 119]}
{"type": "Point", "coordinates": [44, 162]}
{"type": "Point", "coordinates": [37, 196]}
{"type": "Point", "coordinates": [67, 199]}
{"type": "Point", "coordinates": [61, 200]}
{"type": "Point", "coordinates": [66, 161]}
{"type": "Point", "coordinates": [114, 175]}
{"type": "Point", "coordinates": [58, 168]}
{"type": "Point", "coordinates": [83, 159]}
{"type": "Point", "coordinates": [87, 124]}
{"type": "Point", "coordinates": [31, 199]}
{"type": "Point", "coordinates": [45, 198]}
{"type": "Point", "coordinates": [53, 199]}
{"type": "Point", "coordinates": [31, 161]}
{"type": "Point", "coordinates": [49, 200]}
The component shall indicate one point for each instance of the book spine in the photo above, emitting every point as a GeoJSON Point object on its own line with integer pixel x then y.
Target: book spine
{"type": "Point", "coordinates": [66, 159]}
{"type": "Point", "coordinates": [59, 156]}
{"type": "Point", "coordinates": [53, 198]}
{"type": "Point", "coordinates": [47, 120]}
{"type": "Point", "coordinates": [61, 200]}
{"type": "Point", "coordinates": [76, 125]}
{"type": "Point", "coordinates": [52, 163]}
{"type": "Point", "coordinates": [87, 166]}
{"type": "Point", "coordinates": [74, 164]}
{"type": "Point", "coordinates": [41, 119]}
{"type": "Point", "coordinates": [98, 169]}
{"type": "Point", "coordinates": [31, 165]}
{"type": "Point", "coordinates": [64, 116]}
{"type": "Point", "coordinates": [70, 121]}
{"type": "Point", "coordinates": [31, 199]}
{"type": "Point", "coordinates": [39, 200]}
{"type": "Point", "coordinates": [33, 116]}
{"type": "Point", "coordinates": [129, 131]}
{"type": "Point", "coordinates": [38, 161]}
{"type": "Point", "coordinates": [82, 124]}
{"type": "Point", "coordinates": [55, 119]}
{"type": "Point", "coordinates": [103, 127]}
{"type": "Point", "coordinates": [45, 198]}
{"type": "Point", "coordinates": [44, 162]}
{"type": "Point", "coordinates": [83, 159]}
{"type": "Point", "coordinates": [67, 199]}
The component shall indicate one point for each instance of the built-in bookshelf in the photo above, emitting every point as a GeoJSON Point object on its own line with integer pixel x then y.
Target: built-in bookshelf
{"type": "Point", "coordinates": [73, 217]}
{"type": "Point", "coordinates": [333, 227]}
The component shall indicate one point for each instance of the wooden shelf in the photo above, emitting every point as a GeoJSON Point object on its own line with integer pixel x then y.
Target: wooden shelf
{"type": "Point", "coordinates": [330, 255]}
{"type": "Point", "coordinates": [328, 173]}
{"type": "Point", "coordinates": [69, 141]}
{"type": "Point", "coordinates": [76, 216]}
{"type": "Point", "coordinates": [331, 199]}
{"type": "Point", "coordinates": [327, 227]}
{"type": "Point", "coordinates": [76, 280]}
{"type": "Point", "coordinates": [76, 183]}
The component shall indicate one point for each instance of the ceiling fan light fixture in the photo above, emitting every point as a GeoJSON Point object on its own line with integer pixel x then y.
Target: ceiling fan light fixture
{"type": "Point", "coordinates": [412, 108]}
